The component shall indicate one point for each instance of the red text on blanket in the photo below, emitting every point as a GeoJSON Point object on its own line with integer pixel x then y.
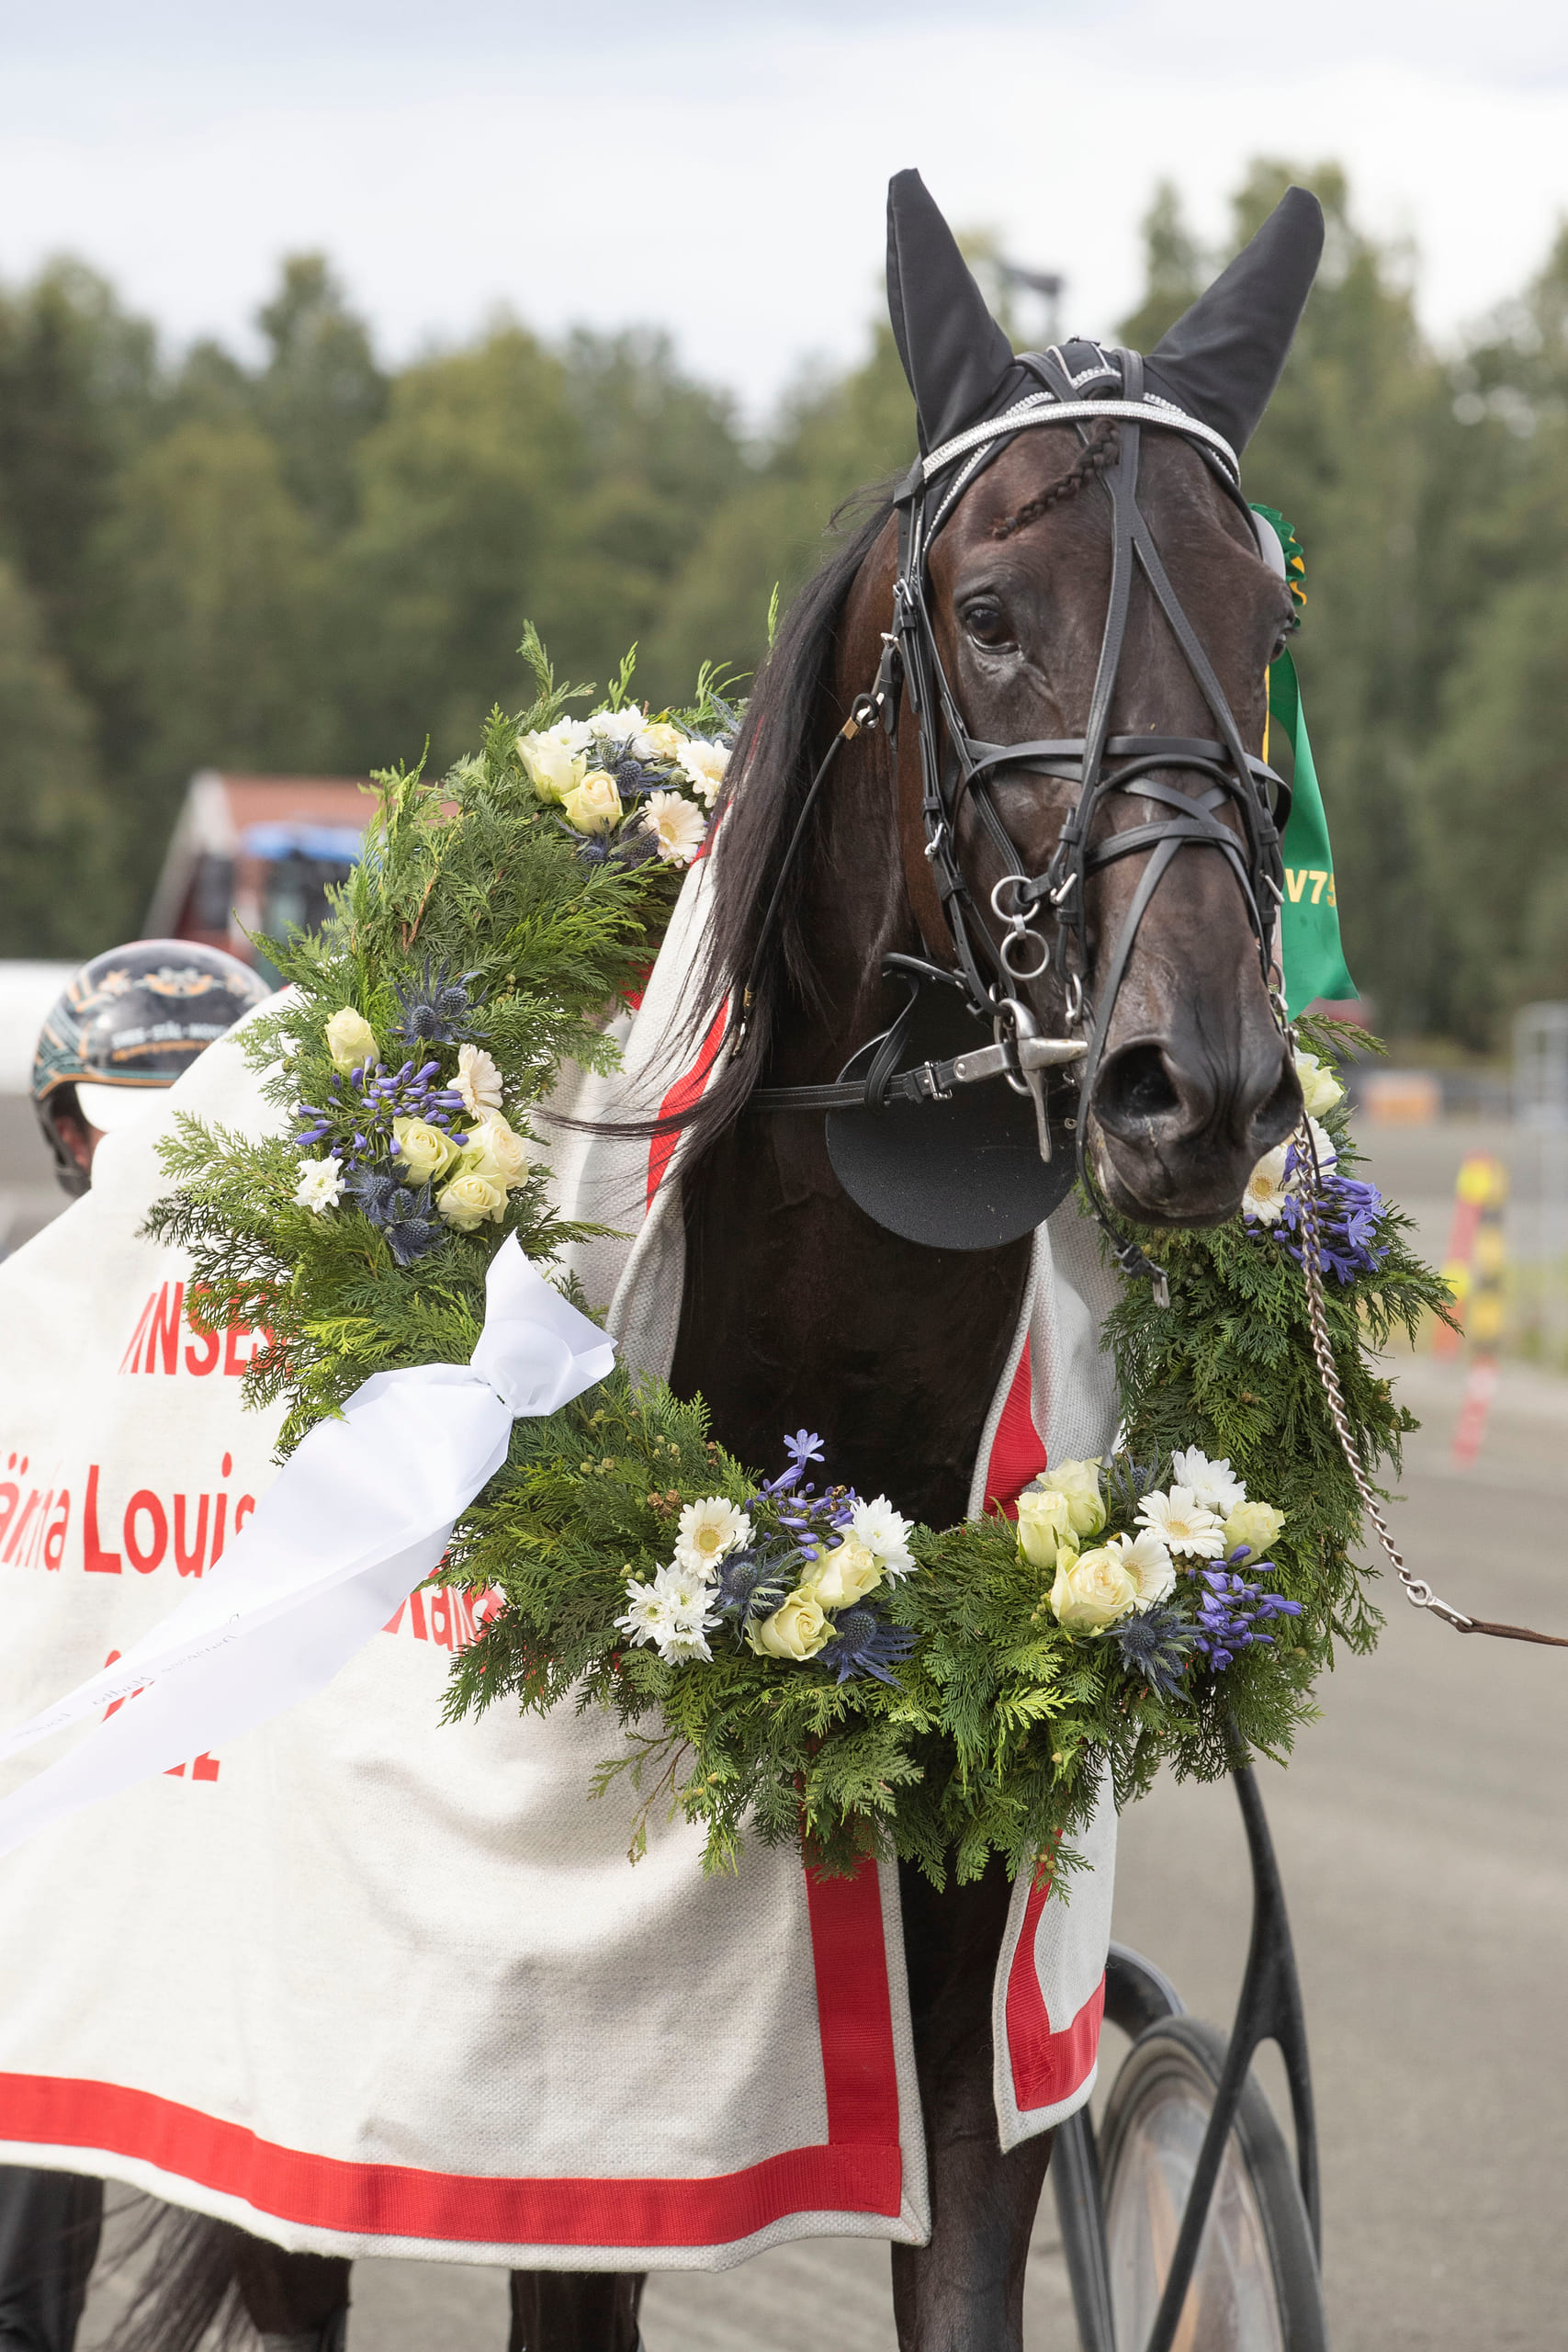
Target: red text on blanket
{"type": "Point", "coordinates": [154, 1345]}
{"type": "Point", "coordinates": [189, 1530]}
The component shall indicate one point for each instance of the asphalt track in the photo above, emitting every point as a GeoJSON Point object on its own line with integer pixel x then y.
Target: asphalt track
{"type": "Point", "coordinates": [1423, 1832]}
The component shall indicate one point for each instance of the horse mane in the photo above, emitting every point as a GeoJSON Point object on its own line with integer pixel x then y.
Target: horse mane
{"type": "Point", "coordinates": [789, 721]}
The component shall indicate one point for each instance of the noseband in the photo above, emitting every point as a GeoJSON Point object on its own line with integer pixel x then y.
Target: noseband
{"type": "Point", "coordinates": [1046, 915]}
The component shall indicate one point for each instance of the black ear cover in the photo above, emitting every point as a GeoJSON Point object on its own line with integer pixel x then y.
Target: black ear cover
{"type": "Point", "coordinates": [956, 358]}
{"type": "Point", "coordinates": [1222, 358]}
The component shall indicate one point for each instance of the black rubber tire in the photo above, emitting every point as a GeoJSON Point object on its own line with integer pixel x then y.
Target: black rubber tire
{"type": "Point", "coordinates": [1181, 2059]}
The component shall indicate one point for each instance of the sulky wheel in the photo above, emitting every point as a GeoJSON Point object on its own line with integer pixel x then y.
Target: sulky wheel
{"type": "Point", "coordinates": [1256, 2287]}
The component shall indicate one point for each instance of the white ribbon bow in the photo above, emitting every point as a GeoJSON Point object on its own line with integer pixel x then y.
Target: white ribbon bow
{"type": "Point", "coordinates": [360, 1514]}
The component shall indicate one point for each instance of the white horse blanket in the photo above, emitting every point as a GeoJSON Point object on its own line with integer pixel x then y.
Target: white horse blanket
{"type": "Point", "coordinates": [367, 1983]}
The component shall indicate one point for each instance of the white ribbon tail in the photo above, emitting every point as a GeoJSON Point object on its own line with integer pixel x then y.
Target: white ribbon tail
{"type": "Point", "coordinates": [360, 1515]}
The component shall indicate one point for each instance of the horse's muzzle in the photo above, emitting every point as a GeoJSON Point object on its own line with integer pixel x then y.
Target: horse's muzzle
{"type": "Point", "coordinates": [1179, 1130]}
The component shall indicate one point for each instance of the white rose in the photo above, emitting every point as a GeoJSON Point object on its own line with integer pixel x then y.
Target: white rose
{"type": "Point", "coordinates": [1092, 1591]}
{"type": "Point", "coordinates": [1320, 1089]}
{"type": "Point", "coordinates": [425, 1151]}
{"type": "Point", "coordinates": [553, 759]}
{"type": "Point", "coordinates": [496, 1150]}
{"type": "Point", "coordinates": [659, 741]}
{"type": "Point", "coordinates": [797, 1629]}
{"type": "Point", "coordinates": [595, 804]}
{"type": "Point", "coordinates": [1254, 1524]}
{"type": "Point", "coordinates": [1079, 1481]}
{"type": "Point", "coordinates": [844, 1574]}
{"type": "Point", "coordinates": [467, 1200]}
{"type": "Point", "coordinates": [1045, 1527]}
{"type": "Point", "coordinates": [351, 1041]}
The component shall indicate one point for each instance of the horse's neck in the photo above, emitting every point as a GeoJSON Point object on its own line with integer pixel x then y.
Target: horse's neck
{"type": "Point", "coordinates": [797, 1308]}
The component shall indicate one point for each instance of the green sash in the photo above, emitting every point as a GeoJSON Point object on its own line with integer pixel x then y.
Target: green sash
{"type": "Point", "coordinates": [1309, 927]}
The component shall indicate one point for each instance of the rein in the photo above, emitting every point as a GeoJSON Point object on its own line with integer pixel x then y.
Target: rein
{"type": "Point", "coordinates": [955, 766]}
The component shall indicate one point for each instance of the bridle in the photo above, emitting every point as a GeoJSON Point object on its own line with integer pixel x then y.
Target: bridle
{"type": "Point", "coordinates": [953, 764]}
{"type": "Point", "coordinates": [956, 766]}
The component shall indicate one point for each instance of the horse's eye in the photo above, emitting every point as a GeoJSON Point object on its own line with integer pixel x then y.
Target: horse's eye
{"type": "Point", "coordinates": [986, 621]}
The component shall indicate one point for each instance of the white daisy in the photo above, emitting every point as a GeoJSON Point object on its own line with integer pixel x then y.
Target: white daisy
{"type": "Point", "coordinates": [1148, 1564]}
{"type": "Point", "coordinates": [672, 1613]}
{"type": "Point", "coordinates": [1183, 1524]}
{"type": "Point", "coordinates": [649, 1613]}
{"type": "Point", "coordinates": [680, 825]}
{"type": "Point", "coordinates": [618, 726]}
{"type": "Point", "coordinates": [478, 1079]}
{"type": "Point", "coordinates": [1266, 1188]}
{"type": "Point", "coordinates": [708, 1532]}
{"type": "Point", "coordinates": [1215, 1484]}
{"type": "Point", "coordinates": [1327, 1151]}
{"type": "Point", "coordinates": [885, 1535]}
{"type": "Point", "coordinates": [321, 1185]}
{"type": "Point", "coordinates": [705, 762]}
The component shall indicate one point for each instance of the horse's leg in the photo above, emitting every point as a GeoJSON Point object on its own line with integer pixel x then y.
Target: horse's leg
{"type": "Point", "coordinates": [963, 2292]}
{"type": "Point", "coordinates": [575, 2311]}
{"type": "Point", "coordinates": [296, 2302]}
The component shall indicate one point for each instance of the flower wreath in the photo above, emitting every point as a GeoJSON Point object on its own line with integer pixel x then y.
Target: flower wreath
{"type": "Point", "coordinates": [783, 1655]}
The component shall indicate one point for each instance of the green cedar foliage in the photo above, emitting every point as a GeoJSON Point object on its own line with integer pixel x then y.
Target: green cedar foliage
{"type": "Point", "coordinates": [472, 873]}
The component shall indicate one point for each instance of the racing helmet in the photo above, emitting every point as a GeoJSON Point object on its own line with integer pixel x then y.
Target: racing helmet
{"type": "Point", "coordinates": [127, 1026]}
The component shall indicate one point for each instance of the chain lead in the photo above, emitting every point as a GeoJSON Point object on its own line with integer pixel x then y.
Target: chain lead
{"type": "Point", "coordinates": [1417, 1592]}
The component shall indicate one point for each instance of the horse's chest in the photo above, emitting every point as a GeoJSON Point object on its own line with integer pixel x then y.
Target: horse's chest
{"type": "Point", "coordinates": [796, 1309]}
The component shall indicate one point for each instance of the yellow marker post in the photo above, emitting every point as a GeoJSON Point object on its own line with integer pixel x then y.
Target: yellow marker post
{"type": "Point", "coordinates": [1483, 1190]}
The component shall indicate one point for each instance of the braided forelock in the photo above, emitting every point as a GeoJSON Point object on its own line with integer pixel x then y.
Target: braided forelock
{"type": "Point", "coordinates": [1100, 454]}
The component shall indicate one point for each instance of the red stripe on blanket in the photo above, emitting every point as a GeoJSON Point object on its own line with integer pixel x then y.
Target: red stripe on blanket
{"type": "Point", "coordinates": [857, 2170]}
{"type": "Point", "coordinates": [1018, 1450]}
{"type": "Point", "coordinates": [686, 1091]}
{"type": "Point", "coordinates": [1047, 2066]}
{"type": "Point", "coordinates": [854, 2011]}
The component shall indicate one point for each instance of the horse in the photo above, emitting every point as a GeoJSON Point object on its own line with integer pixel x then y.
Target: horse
{"type": "Point", "coordinates": [1012, 785]}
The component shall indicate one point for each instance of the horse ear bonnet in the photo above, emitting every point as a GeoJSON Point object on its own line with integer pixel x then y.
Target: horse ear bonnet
{"type": "Point", "coordinates": [1220, 362]}
{"type": "Point", "coordinates": [956, 358]}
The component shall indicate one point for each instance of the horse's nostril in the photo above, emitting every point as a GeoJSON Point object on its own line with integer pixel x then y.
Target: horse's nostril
{"type": "Point", "coordinates": [1275, 1118]}
{"type": "Point", "coordinates": [1135, 1088]}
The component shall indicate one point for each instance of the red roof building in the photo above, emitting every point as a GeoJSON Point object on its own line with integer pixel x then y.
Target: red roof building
{"type": "Point", "coordinates": [255, 854]}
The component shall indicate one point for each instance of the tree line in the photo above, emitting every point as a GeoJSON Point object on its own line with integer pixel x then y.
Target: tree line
{"type": "Point", "coordinates": [314, 563]}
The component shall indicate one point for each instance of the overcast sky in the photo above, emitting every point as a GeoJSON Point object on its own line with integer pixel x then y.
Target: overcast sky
{"type": "Point", "coordinates": [720, 168]}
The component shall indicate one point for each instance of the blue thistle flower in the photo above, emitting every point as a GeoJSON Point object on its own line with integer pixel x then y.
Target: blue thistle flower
{"type": "Point", "coordinates": [1156, 1643]}
{"type": "Point", "coordinates": [752, 1584]}
{"type": "Point", "coordinates": [1126, 1482]}
{"type": "Point", "coordinates": [864, 1642]}
{"type": "Point", "coordinates": [435, 1010]}
{"type": "Point", "coordinates": [408, 1218]}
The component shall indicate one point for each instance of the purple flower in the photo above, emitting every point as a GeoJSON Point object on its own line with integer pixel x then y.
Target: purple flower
{"type": "Point", "coordinates": [1348, 1211]}
{"type": "Point", "coordinates": [1232, 1610]}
